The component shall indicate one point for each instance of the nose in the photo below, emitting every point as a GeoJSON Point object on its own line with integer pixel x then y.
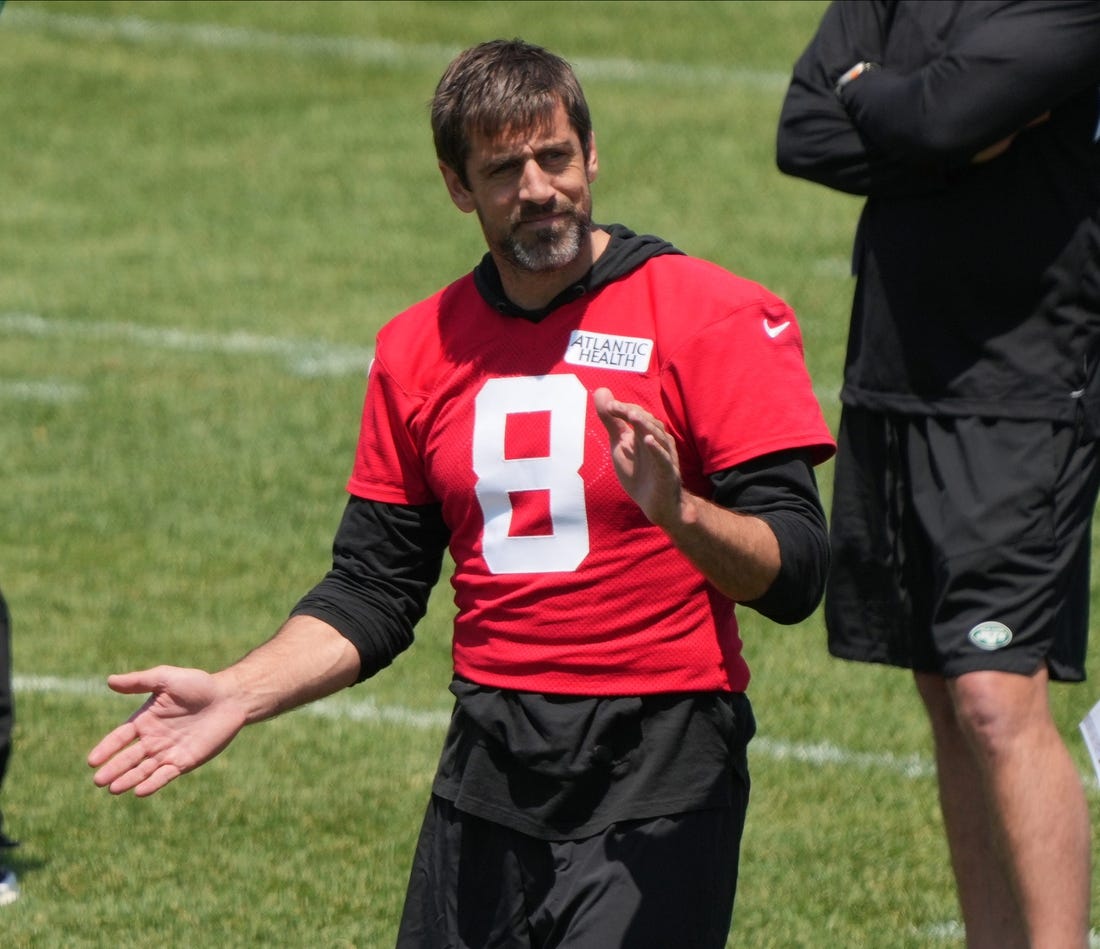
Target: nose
{"type": "Point", "coordinates": [534, 183]}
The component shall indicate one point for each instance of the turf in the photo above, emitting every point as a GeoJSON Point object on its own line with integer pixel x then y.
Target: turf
{"type": "Point", "coordinates": [206, 212]}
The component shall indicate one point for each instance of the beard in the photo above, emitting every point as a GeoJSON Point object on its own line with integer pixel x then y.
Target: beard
{"type": "Point", "coordinates": [546, 248]}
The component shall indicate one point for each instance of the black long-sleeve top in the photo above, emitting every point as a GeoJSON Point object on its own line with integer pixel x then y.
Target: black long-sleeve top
{"type": "Point", "coordinates": [978, 287]}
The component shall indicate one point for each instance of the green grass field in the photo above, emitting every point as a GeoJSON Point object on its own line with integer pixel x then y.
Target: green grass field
{"type": "Point", "coordinates": [207, 209]}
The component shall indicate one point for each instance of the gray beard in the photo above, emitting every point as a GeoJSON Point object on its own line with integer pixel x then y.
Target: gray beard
{"type": "Point", "coordinates": [549, 249]}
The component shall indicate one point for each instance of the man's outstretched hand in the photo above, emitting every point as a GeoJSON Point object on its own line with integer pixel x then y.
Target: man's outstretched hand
{"type": "Point", "coordinates": [186, 721]}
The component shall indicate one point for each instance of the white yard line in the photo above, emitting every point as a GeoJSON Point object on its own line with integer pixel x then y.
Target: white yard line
{"type": "Point", "coordinates": [912, 766]}
{"type": "Point", "coordinates": [908, 766]}
{"type": "Point", "coordinates": [303, 357]}
{"type": "Point", "coordinates": [359, 49]}
{"type": "Point", "coordinates": [369, 710]}
{"type": "Point", "coordinates": [39, 390]}
{"type": "Point", "coordinates": [309, 358]}
{"type": "Point", "coordinates": [315, 359]}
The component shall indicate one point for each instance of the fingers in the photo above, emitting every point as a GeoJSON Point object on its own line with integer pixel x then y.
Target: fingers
{"type": "Point", "coordinates": [112, 744]}
{"type": "Point", "coordinates": [612, 411]}
{"type": "Point", "coordinates": [660, 446]}
{"type": "Point", "coordinates": [127, 768]}
{"type": "Point", "coordinates": [146, 777]}
{"type": "Point", "coordinates": [128, 764]}
{"type": "Point", "coordinates": [112, 751]}
{"type": "Point", "coordinates": [173, 731]}
{"type": "Point", "coordinates": [634, 430]}
{"type": "Point", "coordinates": [603, 399]}
{"type": "Point", "coordinates": [163, 774]}
{"type": "Point", "coordinates": [134, 683]}
{"type": "Point", "coordinates": [120, 756]}
{"type": "Point", "coordinates": [609, 413]}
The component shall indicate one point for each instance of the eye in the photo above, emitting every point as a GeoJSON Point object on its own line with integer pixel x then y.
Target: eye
{"type": "Point", "coordinates": [555, 159]}
{"type": "Point", "coordinates": [504, 169]}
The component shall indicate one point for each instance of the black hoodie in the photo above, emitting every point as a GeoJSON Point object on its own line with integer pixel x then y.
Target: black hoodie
{"type": "Point", "coordinates": [978, 284]}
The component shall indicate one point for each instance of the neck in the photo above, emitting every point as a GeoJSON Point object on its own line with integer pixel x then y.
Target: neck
{"type": "Point", "coordinates": [533, 291]}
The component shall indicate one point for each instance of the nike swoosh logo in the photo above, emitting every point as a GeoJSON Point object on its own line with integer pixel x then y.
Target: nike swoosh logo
{"type": "Point", "coordinates": [774, 331]}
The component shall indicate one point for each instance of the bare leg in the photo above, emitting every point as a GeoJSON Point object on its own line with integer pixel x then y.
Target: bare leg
{"type": "Point", "coordinates": [988, 905]}
{"type": "Point", "coordinates": [1014, 810]}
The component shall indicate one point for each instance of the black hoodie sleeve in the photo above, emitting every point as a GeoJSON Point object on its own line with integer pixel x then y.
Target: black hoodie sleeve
{"type": "Point", "coordinates": [989, 82]}
{"type": "Point", "coordinates": [950, 79]}
{"type": "Point", "coordinates": [817, 139]}
{"type": "Point", "coordinates": [781, 490]}
{"type": "Point", "coordinates": [385, 560]}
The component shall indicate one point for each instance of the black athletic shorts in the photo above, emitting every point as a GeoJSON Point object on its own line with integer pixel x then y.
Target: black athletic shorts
{"type": "Point", "coordinates": [663, 883]}
{"type": "Point", "coordinates": [961, 544]}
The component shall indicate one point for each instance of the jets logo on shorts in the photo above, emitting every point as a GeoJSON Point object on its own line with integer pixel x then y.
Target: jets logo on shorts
{"type": "Point", "coordinates": [990, 635]}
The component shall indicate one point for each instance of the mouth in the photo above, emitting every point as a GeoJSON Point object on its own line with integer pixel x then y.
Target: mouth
{"type": "Point", "coordinates": [547, 221]}
{"type": "Point", "coordinates": [544, 215]}
{"type": "Point", "coordinates": [550, 217]}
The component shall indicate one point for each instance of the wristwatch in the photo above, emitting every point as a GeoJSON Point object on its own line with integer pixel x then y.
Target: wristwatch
{"type": "Point", "coordinates": [852, 73]}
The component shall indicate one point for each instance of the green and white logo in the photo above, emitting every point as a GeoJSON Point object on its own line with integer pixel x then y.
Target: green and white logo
{"type": "Point", "coordinates": [990, 635]}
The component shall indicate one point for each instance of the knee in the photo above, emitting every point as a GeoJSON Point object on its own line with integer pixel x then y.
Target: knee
{"type": "Point", "coordinates": [995, 712]}
{"type": "Point", "coordinates": [938, 703]}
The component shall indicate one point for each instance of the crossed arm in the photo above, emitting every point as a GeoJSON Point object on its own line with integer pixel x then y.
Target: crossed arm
{"type": "Point", "coordinates": [913, 129]}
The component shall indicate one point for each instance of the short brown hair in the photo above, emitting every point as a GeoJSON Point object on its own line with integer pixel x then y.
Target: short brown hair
{"type": "Point", "coordinates": [501, 85]}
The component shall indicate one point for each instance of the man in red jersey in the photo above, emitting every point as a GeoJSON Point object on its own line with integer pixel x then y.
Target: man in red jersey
{"type": "Point", "coordinates": [616, 442]}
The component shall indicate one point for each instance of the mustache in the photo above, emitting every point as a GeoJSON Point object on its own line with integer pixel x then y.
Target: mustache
{"type": "Point", "coordinates": [532, 212]}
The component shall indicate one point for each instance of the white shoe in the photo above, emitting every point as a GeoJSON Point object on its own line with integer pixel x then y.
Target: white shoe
{"type": "Point", "coordinates": [9, 886]}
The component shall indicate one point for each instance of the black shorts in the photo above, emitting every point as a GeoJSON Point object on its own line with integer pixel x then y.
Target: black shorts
{"type": "Point", "coordinates": [961, 544]}
{"type": "Point", "coordinates": [650, 884]}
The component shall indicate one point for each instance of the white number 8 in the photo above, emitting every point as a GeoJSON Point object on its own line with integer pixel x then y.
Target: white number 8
{"type": "Point", "coordinates": [566, 401]}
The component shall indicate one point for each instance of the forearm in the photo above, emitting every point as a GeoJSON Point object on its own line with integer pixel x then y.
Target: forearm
{"type": "Point", "coordinates": [816, 138]}
{"type": "Point", "coordinates": [989, 81]}
{"type": "Point", "coordinates": [893, 112]}
{"type": "Point", "coordinates": [305, 660]}
{"type": "Point", "coordinates": [192, 715]}
{"type": "Point", "coordinates": [737, 553]}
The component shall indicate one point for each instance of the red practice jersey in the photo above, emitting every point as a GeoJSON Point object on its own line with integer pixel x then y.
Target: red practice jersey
{"type": "Point", "coordinates": [562, 584]}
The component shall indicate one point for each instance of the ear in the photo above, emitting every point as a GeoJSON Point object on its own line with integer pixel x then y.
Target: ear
{"type": "Point", "coordinates": [592, 167]}
{"type": "Point", "coordinates": [461, 197]}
